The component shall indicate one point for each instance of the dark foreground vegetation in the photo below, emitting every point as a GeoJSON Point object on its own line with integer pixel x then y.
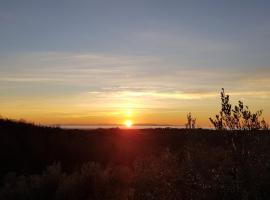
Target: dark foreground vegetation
{"type": "Point", "coordinates": [52, 163]}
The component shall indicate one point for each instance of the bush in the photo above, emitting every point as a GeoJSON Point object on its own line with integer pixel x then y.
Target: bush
{"type": "Point", "coordinates": [238, 118]}
{"type": "Point", "coordinates": [191, 122]}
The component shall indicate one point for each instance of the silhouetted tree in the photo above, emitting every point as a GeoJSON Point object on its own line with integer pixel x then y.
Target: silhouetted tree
{"type": "Point", "coordinates": [238, 118]}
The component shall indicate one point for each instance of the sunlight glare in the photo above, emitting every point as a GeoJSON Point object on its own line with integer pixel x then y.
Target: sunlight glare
{"type": "Point", "coordinates": [128, 123]}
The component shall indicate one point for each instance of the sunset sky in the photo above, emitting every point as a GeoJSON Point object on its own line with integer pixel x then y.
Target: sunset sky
{"type": "Point", "coordinates": [151, 61]}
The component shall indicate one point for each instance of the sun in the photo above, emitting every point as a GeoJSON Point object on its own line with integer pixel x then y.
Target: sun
{"type": "Point", "coordinates": [128, 123]}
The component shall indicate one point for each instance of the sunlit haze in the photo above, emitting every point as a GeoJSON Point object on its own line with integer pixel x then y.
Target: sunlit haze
{"type": "Point", "coordinates": [131, 62]}
{"type": "Point", "coordinates": [128, 123]}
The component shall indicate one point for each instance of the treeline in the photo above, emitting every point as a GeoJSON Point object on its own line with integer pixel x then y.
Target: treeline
{"type": "Point", "coordinates": [52, 163]}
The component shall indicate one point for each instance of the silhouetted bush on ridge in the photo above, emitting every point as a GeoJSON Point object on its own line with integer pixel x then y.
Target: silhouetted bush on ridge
{"type": "Point", "coordinates": [237, 118]}
{"type": "Point", "coordinates": [191, 122]}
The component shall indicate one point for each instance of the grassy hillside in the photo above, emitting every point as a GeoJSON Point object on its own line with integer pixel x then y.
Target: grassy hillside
{"type": "Point", "coordinates": [52, 163]}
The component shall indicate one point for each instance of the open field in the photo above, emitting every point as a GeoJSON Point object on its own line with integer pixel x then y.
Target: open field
{"type": "Point", "coordinates": [52, 163]}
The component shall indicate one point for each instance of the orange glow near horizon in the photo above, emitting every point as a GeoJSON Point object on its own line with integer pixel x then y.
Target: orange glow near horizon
{"type": "Point", "coordinates": [109, 108]}
{"type": "Point", "coordinates": [128, 123]}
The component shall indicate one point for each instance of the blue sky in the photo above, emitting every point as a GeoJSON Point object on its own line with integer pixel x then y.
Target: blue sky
{"type": "Point", "coordinates": [134, 26]}
{"type": "Point", "coordinates": [159, 51]}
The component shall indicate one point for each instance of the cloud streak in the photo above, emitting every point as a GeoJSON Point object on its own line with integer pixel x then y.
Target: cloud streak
{"type": "Point", "coordinates": [91, 84]}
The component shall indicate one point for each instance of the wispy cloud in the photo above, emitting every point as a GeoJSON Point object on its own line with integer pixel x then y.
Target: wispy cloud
{"type": "Point", "coordinates": [81, 85]}
{"type": "Point", "coordinates": [116, 71]}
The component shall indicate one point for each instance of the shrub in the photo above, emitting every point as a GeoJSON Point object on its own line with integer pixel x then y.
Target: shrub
{"type": "Point", "coordinates": [238, 118]}
{"type": "Point", "coordinates": [191, 122]}
{"type": "Point", "coordinates": [29, 187]}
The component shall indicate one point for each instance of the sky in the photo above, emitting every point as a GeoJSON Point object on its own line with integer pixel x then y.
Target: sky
{"type": "Point", "coordinates": [151, 61]}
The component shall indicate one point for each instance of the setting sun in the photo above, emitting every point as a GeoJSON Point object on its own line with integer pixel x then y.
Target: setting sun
{"type": "Point", "coordinates": [128, 123]}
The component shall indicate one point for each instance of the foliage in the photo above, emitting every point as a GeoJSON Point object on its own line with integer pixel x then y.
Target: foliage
{"type": "Point", "coordinates": [191, 122]}
{"type": "Point", "coordinates": [238, 117]}
{"type": "Point", "coordinates": [113, 164]}
{"type": "Point", "coordinates": [200, 171]}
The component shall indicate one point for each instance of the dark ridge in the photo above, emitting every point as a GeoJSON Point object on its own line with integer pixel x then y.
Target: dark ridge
{"type": "Point", "coordinates": [27, 148]}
